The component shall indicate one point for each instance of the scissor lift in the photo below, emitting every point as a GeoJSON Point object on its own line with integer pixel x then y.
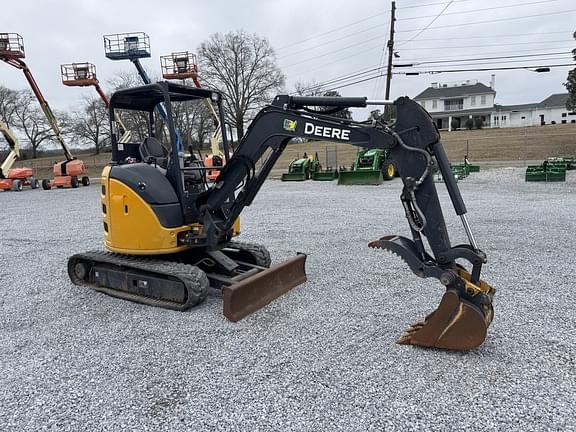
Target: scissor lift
{"type": "Point", "coordinates": [68, 172]}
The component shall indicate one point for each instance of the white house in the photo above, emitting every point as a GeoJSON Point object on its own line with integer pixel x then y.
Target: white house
{"type": "Point", "coordinates": [551, 110]}
{"type": "Point", "coordinates": [452, 105]}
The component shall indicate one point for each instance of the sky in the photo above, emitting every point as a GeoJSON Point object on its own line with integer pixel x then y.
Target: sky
{"type": "Point", "coordinates": [314, 40]}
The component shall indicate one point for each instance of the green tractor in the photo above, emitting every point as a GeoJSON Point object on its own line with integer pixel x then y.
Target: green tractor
{"type": "Point", "coordinates": [301, 169]}
{"type": "Point", "coordinates": [371, 167]}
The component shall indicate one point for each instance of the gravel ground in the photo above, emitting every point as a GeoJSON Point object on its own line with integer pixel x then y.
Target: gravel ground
{"type": "Point", "coordinates": [322, 357]}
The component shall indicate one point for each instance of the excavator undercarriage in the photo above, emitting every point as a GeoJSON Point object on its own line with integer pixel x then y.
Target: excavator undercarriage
{"type": "Point", "coordinates": [170, 233]}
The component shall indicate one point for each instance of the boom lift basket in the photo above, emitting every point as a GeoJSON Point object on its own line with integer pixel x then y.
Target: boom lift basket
{"type": "Point", "coordinates": [179, 65]}
{"type": "Point", "coordinates": [127, 46]}
{"type": "Point", "coordinates": [11, 45]}
{"type": "Point", "coordinates": [78, 74]}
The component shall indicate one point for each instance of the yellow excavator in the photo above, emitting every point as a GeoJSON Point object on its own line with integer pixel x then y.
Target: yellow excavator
{"type": "Point", "coordinates": [169, 233]}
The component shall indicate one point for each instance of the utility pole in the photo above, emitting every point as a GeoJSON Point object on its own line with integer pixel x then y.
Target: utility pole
{"type": "Point", "coordinates": [390, 50]}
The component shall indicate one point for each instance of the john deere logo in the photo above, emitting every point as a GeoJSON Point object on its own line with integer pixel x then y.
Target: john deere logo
{"type": "Point", "coordinates": [290, 125]}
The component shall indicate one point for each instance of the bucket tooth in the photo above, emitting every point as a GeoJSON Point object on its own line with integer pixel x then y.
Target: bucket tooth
{"type": "Point", "coordinates": [456, 325]}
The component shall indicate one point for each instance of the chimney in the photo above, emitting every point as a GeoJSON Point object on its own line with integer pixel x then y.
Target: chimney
{"type": "Point", "coordinates": [493, 82]}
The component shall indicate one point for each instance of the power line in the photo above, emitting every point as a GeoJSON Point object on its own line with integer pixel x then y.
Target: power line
{"type": "Point", "coordinates": [488, 21]}
{"type": "Point", "coordinates": [485, 46]}
{"type": "Point", "coordinates": [431, 4]}
{"type": "Point", "coordinates": [429, 24]}
{"type": "Point", "coordinates": [490, 69]}
{"type": "Point", "coordinates": [331, 52]}
{"type": "Point", "coordinates": [454, 70]}
{"type": "Point", "coordinates": [492, 58]}
{"type": "Point", "coordinates": [507, 61]}
{"type": "Point", "coordinates": [481, 10]}
{"type": "Point", "coordinates": [334, 30]}
{"type": "Point", "coordinates": [498, 36]}
{"type": "Point", "coordinates": [487, 53]}
{"type": "Point", "coordinates": [334, 40]}
{"type": "Point", "coordinates": [374, 68]}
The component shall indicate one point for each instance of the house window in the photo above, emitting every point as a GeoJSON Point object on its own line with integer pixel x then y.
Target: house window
{"type": "Point", "coordinates": [483, 100]}
{"type": "Point", "coordinates": [523, 118]}
{"type": "Point", "coordinates": [563, 121]}
{"type": "Point", "coordinates": [563, 114]}
{"type": "Point", "coordinates": [503, 118]}
{"type": "Point", "coordinates": [453, 104]}
{"type": "Point", "coordinates": [473, 100]}
{"type": "Point", "coordinates": [423, 103]}
{"type": "Point", "coordinates": [434, 104]}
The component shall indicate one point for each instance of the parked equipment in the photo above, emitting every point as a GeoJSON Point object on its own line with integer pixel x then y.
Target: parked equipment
{"type": "Point", "coordinates": [170, 233]}
{"type": "Point", "coordinates": [70, 172]}
{"type": "Point", "coordinates": [466, 168]}
{"type": "Point", "coordinates": [14, 178]}
{"type": "Point", "coordinates": [303, 168]}
{"type": "Point", "coordinates": [548, 171]}
{"type": "Point", "coordinates": [327, 174]}
{"type": "Point", "coordinates": [371, 167]}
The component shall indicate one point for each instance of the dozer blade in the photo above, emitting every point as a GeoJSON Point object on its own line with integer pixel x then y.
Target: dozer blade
{"type": "Point", "coordinates": [456, 325]}
{"type": "Point", "coordinates": [255, 292]}
{"type": "Point", "coordinates": [360, 177]}
{"type": "Point", "coordinates": [294, 177]}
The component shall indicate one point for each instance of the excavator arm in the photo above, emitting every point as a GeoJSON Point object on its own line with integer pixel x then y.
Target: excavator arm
{"type": "Point", "coordinates": [14, 150]}
{"type": "Point", "coordinates": [466, 311]}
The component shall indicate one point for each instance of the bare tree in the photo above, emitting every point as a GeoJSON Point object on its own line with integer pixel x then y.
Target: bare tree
{"type": "Point", "coordinates": [90, 123]}
{"type": "Point", "coordinates": [8, 99]}
{"type": "Point", "coordinates": [243, 68]}
{"type": "Point", "coordinates": [30, 119]}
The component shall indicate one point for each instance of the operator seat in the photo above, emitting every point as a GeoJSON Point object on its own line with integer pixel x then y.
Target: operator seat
{"type": "Point", "coordinates": [152, 151]}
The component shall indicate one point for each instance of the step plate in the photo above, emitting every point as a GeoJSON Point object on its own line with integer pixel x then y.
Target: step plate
{"type": "Point", "coordinates": [255, 292]}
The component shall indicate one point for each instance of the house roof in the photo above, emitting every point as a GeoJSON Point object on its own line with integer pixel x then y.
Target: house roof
{"type": "Point", "coordinates": [556, 100]}
{"type": "Point", "coordinates": [508, 108]}
{"type": "Point", "coordinates": [447, 92]}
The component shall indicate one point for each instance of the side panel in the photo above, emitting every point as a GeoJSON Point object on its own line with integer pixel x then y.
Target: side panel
{"type": "Point", "coordinates": [131, 225]}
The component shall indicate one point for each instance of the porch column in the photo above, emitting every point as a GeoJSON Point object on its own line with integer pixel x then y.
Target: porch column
{"type": "Point", "coordinates": [449, 123]}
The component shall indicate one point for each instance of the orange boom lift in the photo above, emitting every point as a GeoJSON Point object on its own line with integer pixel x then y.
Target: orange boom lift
{"type": "Point", "coordinates": [84, 75]}
{"type": "Point", "coordinates": [68, 172]}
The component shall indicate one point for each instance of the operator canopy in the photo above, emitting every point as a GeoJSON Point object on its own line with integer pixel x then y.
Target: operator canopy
{"type": "Point", "coordinates": [145, 98]}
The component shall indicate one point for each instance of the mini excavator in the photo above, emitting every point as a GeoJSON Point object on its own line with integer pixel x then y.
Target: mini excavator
{"type": "Point", "coordinates": [169, 233]}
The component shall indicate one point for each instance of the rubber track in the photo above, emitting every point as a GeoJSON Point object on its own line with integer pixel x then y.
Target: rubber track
{"type": "Point", "coordinates": [194, 279]}
{"type": "Point", "coordinates": [259, 252]}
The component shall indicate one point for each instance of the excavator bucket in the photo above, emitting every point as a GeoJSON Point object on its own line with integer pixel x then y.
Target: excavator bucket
{"type": "Point", "coordinates": [457, 323]}
{"type": "Point", "coordinates": [360, 177]}
{"type": "Point", "coordinates": [255, 292]}
{"type": "Point", "coordinates": [299, 176]}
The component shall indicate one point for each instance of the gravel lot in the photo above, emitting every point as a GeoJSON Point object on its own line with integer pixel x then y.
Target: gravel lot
{"type": "Point", "coordinates": [321, 358]}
